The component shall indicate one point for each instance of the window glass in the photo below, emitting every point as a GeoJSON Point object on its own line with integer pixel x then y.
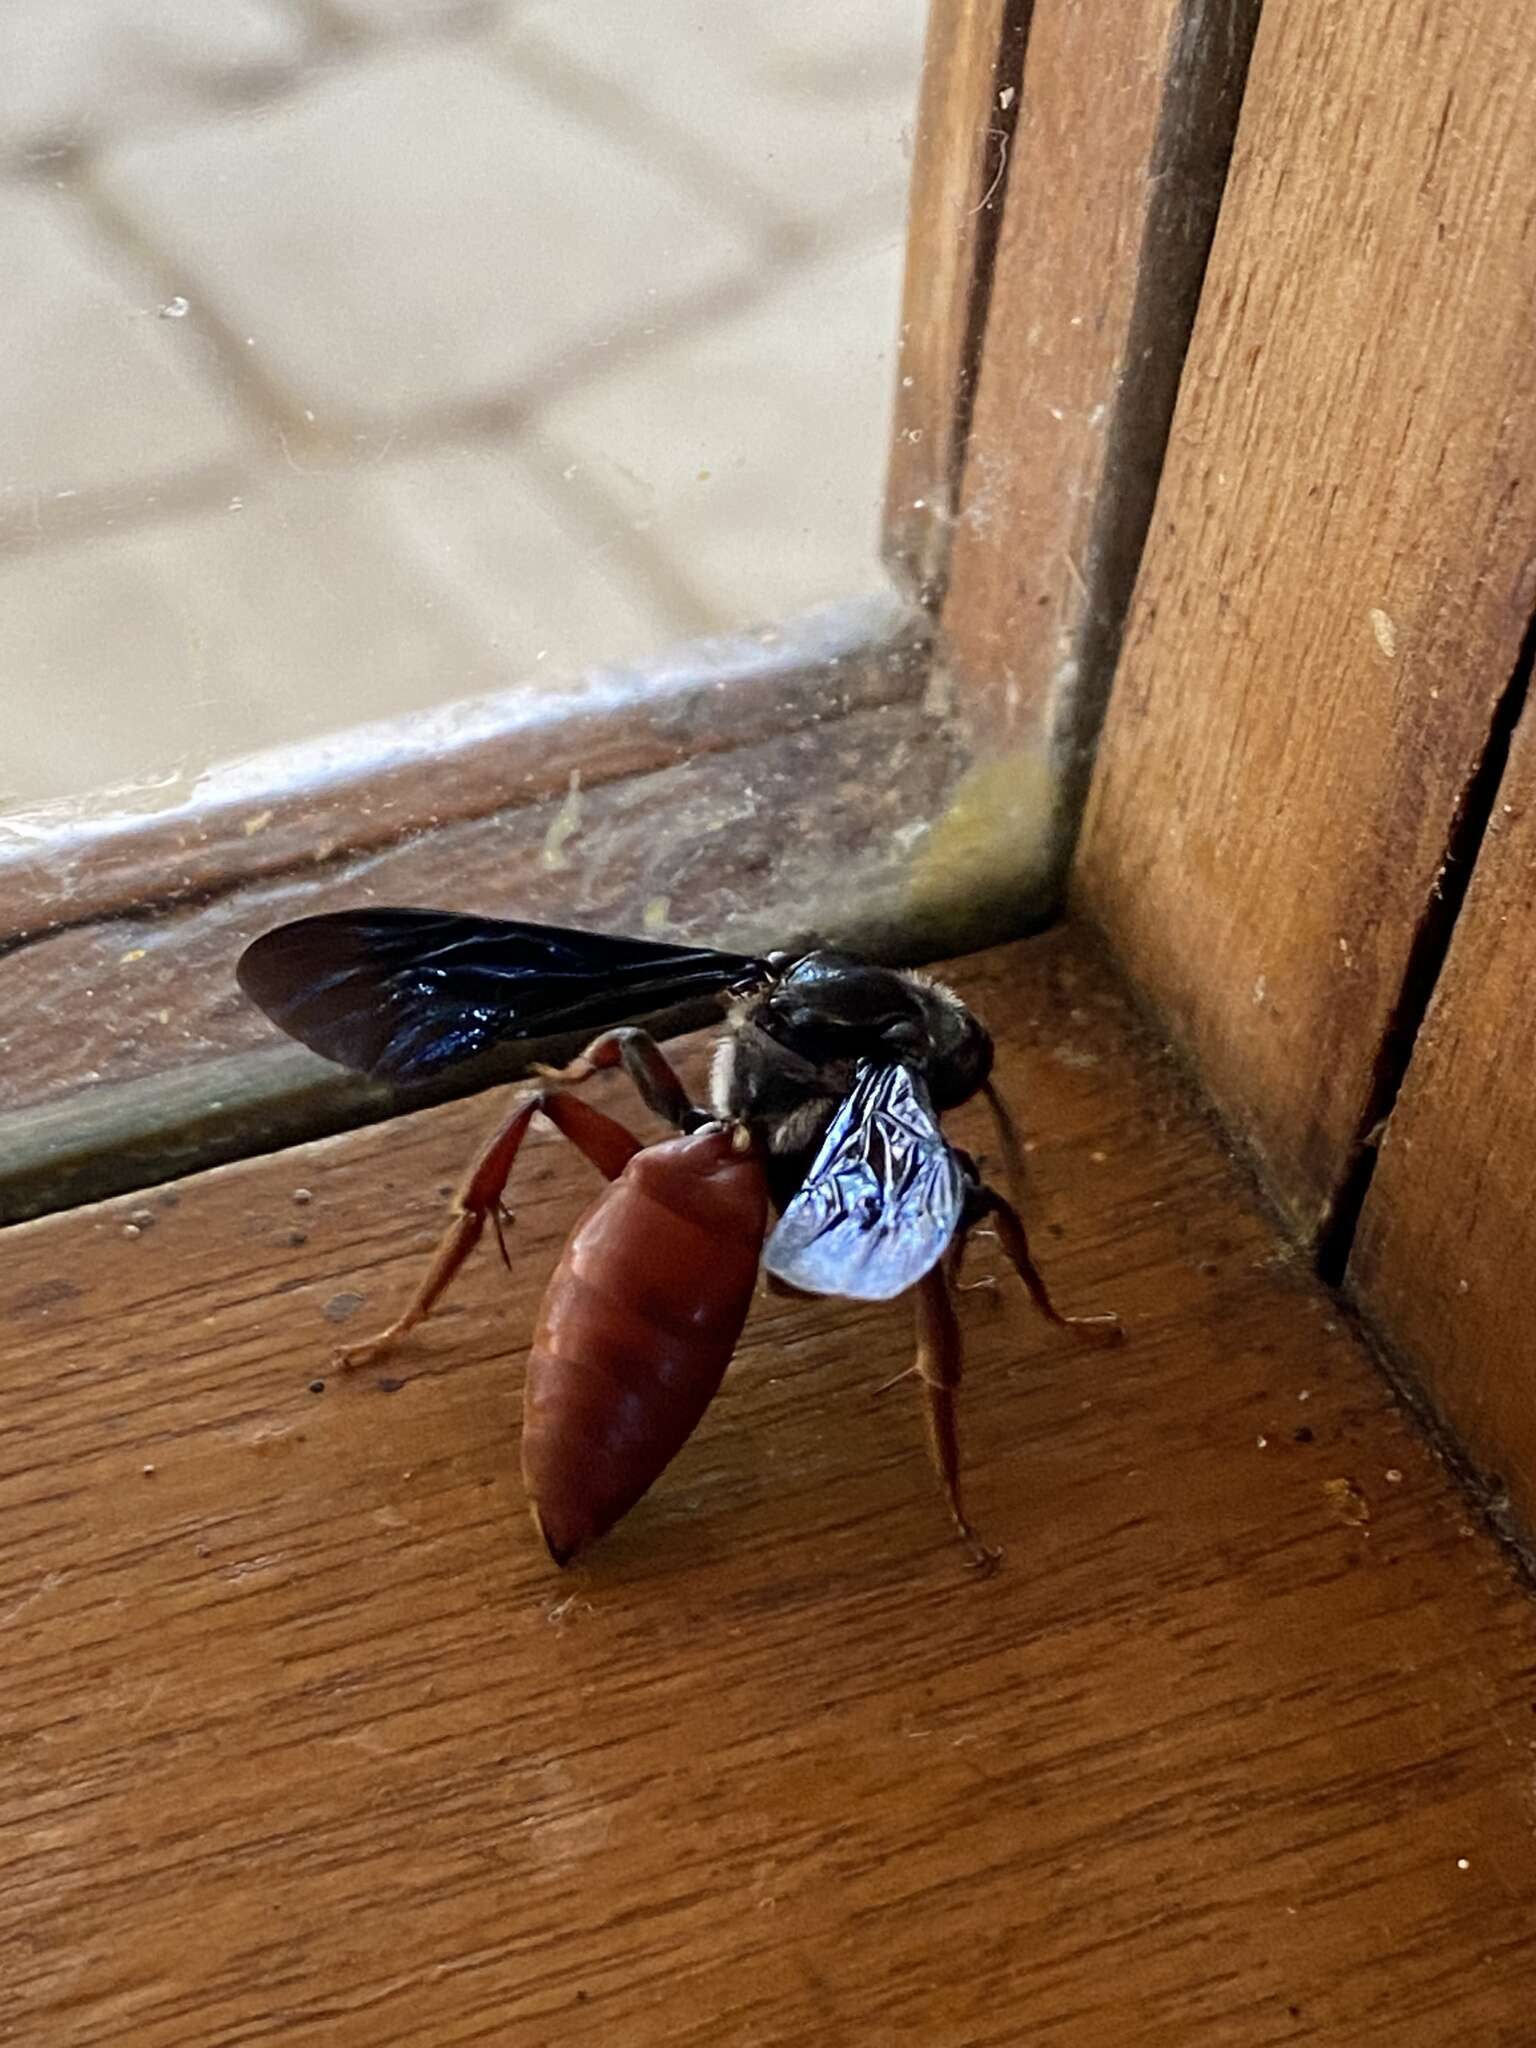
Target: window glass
{"type": "Point", "coordinates": [364, 356]}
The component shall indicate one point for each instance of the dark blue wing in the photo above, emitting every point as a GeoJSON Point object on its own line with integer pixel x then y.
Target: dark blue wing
{"type": "Point", "coordinates": [402, 993]}
{"type": "Point", "coordinates": [880, 1203]}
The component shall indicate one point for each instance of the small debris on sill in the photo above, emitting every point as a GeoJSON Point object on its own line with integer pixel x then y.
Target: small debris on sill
{"type": "Point", "coordinates": [1347, 1501]}
{"type": "Point", "coordinates": [565, 824]}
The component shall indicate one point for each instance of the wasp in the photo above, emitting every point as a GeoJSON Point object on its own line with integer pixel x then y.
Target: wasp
{"type": "Point", "coordinates": [818, 1160]}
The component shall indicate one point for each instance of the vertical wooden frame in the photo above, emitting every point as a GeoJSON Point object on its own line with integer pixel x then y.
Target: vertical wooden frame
{"type": "Point", "coordinates": [1337, 581]}
{"type": "Point", "coordinates": [973, 61]}
{"type": "Point", "coordinates": [1032, 511]}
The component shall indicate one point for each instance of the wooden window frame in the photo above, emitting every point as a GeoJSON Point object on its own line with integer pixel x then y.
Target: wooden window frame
{"type": "Point", "coordinates": [919, 811]}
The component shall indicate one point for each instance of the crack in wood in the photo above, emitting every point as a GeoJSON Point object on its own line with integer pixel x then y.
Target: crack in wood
{"type": "Point", "coordinates": [1427, 953]}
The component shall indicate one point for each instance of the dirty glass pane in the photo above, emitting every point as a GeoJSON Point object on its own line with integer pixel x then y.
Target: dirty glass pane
{"type": "Point", "coordinates": [363, 356]}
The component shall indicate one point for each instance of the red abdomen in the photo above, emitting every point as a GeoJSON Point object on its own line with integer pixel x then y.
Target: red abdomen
{"type": "Point", "coordinates": [637, 1327]}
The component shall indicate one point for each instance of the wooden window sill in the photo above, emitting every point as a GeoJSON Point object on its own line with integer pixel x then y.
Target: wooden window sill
{"type": "Point", "coordinates": [306, 1739]}
{"type": "Point", "coordinates": [741, 791]}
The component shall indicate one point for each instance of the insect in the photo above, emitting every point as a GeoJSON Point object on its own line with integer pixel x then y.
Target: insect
{"type": "Point", "coordinates": [826, 1090]}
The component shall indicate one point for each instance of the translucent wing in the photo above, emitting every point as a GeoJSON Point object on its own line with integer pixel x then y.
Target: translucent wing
{"type": "Point", "coordinates": [881, 1201]}
{"type": "Point", "coordinates": [402, 993]}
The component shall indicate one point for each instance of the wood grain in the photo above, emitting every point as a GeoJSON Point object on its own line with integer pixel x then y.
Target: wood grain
{"type": "Point", "coordinates": [298, 808]}
{"type": "Point", "coordinates": [1339, 572]}
{"type": "Point", "coordinates": [301, 1739]}
{"type": "Point", "coordinates": [972, 63]}
{"type": "Point", "coordinates": [810, 830]}
{"type": "Point", "coordinates": [1445, 1258]}
{"type": "Point", "coordinates": [1117, 173]}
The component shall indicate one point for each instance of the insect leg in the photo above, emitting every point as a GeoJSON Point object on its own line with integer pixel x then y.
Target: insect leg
{"type": "Point", "coordinates": [986, 1201]}
{"type": "Point", "coordinates": [938, 1367]}
{"type": "Point", "coordinates": [606, 1143]}
{"type": "Point", "coordinates": [655, 1079]}
{"type": "Point", "coordinates": [1008, 1140]}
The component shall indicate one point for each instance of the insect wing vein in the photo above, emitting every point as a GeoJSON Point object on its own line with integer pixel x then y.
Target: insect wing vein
{"type": "Point", "coordinates": [403, 993]}
{"type": "Point", "coordinates": [882, 1199]}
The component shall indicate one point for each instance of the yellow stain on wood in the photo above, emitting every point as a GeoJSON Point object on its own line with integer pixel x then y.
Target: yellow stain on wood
{"type": "Point", "coordinates": [991, 858]}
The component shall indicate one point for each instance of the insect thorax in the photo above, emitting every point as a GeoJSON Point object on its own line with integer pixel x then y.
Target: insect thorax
{"type": "Point", "coordinates": [791, 1051]}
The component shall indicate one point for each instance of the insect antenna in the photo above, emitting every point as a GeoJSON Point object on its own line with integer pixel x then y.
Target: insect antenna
{"type": "Point", "coordinates": [1010, 1146]}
